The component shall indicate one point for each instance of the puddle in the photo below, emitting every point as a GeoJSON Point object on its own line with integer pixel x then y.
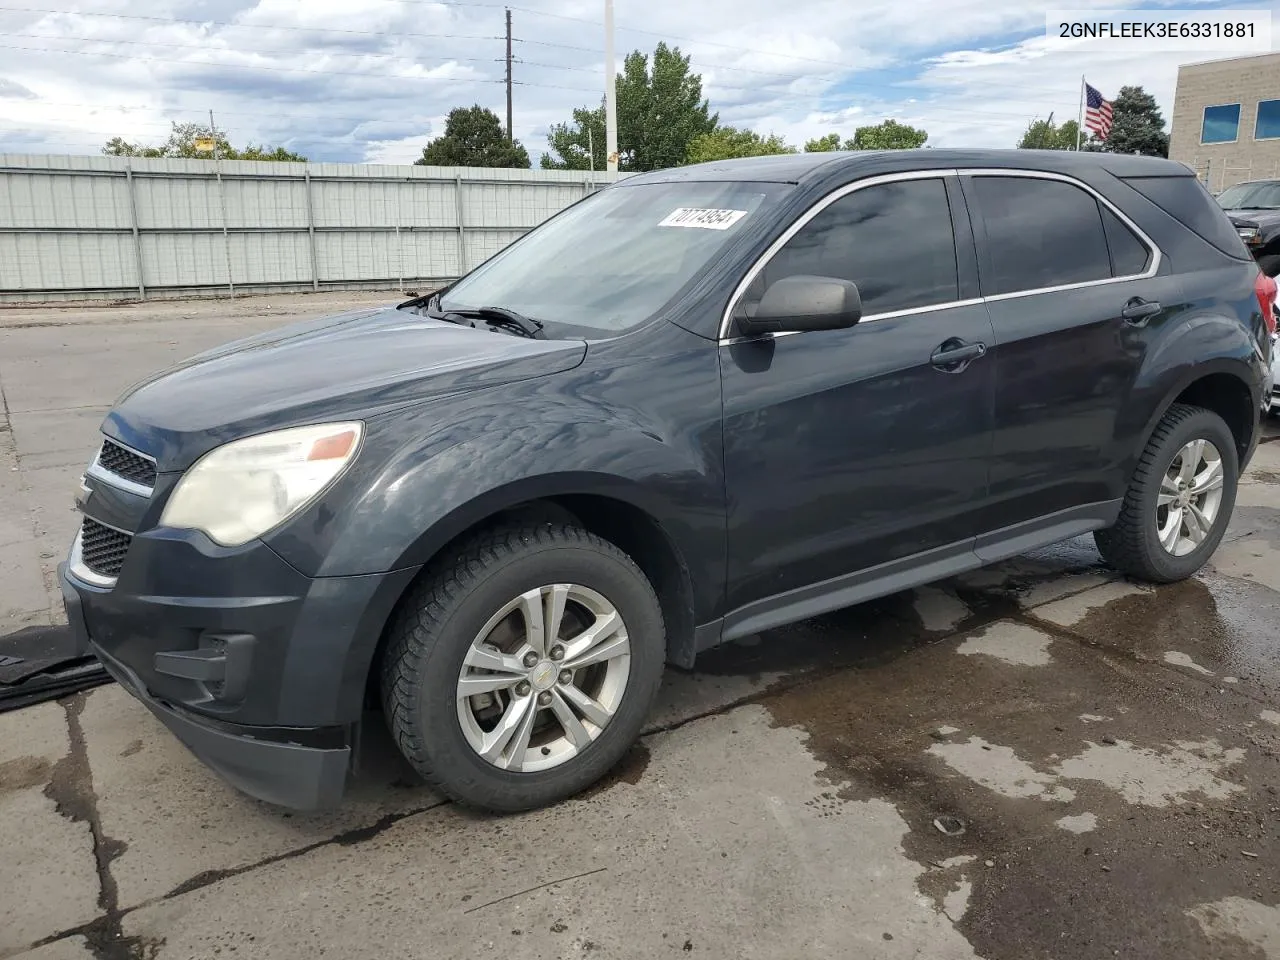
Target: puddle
{"type": "Point", "coordinates": [1211, 625]}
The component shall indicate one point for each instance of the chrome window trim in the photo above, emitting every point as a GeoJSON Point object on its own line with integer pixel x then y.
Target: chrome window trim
{"type": "Point", "coordinates": [726, 319]}
{"type": "Point", "coordinates": [76, 567]}
{"type": "Point", "coordinates": [99, 472]}
{"type": "Point", "coordinates": [1156, 256]}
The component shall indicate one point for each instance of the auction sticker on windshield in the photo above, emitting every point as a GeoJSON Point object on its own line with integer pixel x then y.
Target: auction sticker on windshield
{"type": "Point", "coordinates": [702, 217]}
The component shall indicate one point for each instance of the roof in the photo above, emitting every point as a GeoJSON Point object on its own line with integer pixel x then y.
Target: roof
{"type": "Point", "coordinates": [802, 167]}
{"type": "Point", "coordinates": [1225, 60]}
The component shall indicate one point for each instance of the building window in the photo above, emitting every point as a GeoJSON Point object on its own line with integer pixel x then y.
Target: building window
{"type": "Point", "coordinates": [1268, 124]}
{"type": "Point", "coordinates": [1221, 124]}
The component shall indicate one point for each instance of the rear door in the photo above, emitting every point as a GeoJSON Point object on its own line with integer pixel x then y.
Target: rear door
{"type": "Point", "coordinates": [1074, 293]}
{"type": "Point", "coordinates": [849, 450]}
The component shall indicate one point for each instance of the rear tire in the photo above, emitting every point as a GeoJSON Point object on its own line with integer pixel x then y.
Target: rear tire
{"type": "Point", "coordinates": [1175, 512]}
{"type": "Point", "coordinates": [540, 726]}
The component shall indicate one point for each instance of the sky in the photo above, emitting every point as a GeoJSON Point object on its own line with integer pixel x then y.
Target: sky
{"type": "Point", "coordinates": [371, 81]}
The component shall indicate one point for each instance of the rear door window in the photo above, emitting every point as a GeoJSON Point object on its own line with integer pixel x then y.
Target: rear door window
{"type": "Point", "coordinates": [1040, 233]}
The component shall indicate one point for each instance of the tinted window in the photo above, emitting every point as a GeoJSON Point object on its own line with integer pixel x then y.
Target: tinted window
{"type": "Point", "coordinates": [1221, 124]}
{"type": "Point", "coordinates": [1267, 126]}
{"type": "Point", "coordinates": [1040, 233]}
{"type": "Point", "coordinates": [894, 241]}
{"type": "Point", "coordinates": [1187, 201]}
{"type": "Point", "coordinates": [1129, 255]}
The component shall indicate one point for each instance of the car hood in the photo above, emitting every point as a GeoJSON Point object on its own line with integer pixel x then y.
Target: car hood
{"type": "Point", "coordinates": [351, 365]}
{"type": "Point", "coordinates": [1254, 217]}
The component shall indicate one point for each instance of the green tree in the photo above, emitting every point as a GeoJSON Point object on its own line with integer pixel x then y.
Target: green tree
{"type": "Point", "coordinates": [182, 143]}
{"type": "Point", "coordinates": [1137, 126]}
{"type": "Point", "coordinates": [579, 145]}
{"type": "Point", "coordinates": [473, 137]}
{"type": "Point", "coordinates": [727, 143]}
{"type": "Point", "coordinates": [889, 135]}
{"type": "Point", "coordinates": [823, 144]}
{"type": "Point", "coordinates": [1047, 135]}
{"type": "Point", "coordinates": [660, 110]}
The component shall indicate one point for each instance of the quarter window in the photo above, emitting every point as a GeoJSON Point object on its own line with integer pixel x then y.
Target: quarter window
{"type": "Point", "coordinates": [1040, 233]}
{"type": "Point", "coordinates": [894, 240]}
{"type": "Point", "coordinates": [1129, 255]}
{"type": "Point", "coordinates": [1221, 124]}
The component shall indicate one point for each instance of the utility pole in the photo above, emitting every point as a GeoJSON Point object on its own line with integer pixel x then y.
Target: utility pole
{"type": "Point", "coordinates": [510, 134]}
{"type": "Point", "coordinates": [222, 201]}
{"type": "Point", "coordinates": [610, 82]}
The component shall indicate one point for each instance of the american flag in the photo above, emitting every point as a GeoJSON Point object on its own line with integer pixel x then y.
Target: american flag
{"type": "Point", "coordinates": [1097, 112]}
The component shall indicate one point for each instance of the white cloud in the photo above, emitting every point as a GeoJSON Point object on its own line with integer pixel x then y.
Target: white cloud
{"type": "Point", "coordinates": [371, 79]}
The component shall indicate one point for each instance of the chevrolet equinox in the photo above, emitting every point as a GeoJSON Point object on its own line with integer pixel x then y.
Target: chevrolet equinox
{"type": "Point", "coordinates": [696, 405]}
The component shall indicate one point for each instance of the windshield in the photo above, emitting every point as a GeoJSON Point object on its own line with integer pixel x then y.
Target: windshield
{"type": "Point", "coordinates": [613, 260]}
{"type": "Point", "coordinates": [1251, 196]}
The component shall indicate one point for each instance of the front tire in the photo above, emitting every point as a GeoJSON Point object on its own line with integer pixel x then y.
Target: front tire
{"type": "Point", "coordinates": [521, 669]}
{"type": "Point", "coordinates": [1269, 264]}
{"type": "Point", "coordinates": [1179, 500]}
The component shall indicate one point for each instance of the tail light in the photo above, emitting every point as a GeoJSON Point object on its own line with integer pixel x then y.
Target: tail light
{"type": "Point", "coordinates": [1265, 288]}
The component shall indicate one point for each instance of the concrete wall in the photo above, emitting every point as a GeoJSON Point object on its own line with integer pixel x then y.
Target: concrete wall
{"type": "Point", "coordinates": [1242, 80]}
{"type": "Point", "coordinates": [129, 228]}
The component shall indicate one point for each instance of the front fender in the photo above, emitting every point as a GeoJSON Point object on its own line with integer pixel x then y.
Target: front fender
{"type": "Point", "coordinates": [428, 473]}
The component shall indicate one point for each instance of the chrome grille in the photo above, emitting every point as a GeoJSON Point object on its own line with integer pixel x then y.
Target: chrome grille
{"type": "Point", "coordinates": [123, 462]}
{"type": "Point", "coordinates": [102, 549]}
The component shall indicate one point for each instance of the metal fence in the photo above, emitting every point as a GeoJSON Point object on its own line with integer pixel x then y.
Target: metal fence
{"type": "Point", "coordinates": [128, 228]}
{"type": "Point", "coordinates": [1219, 173]}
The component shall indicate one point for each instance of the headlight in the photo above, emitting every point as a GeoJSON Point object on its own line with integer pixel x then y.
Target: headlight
{"type": "Point", "coordinates": [245, 488]}
{"type": "Point", "coordinates": [1250, 234]}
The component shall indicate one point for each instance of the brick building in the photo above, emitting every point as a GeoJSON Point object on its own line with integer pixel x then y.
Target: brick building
{"type": "Point", "coordinates": [1226, 119]}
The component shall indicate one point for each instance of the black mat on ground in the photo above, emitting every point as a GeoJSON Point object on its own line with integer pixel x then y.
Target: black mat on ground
{"type": "Point", "coordinates": [41, 663]}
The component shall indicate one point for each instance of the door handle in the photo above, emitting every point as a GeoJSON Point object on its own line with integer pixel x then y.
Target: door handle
{"type": "Point", "coordinates": [954, 355]}
{"type": "Point", "coordinates": [1138, 311]}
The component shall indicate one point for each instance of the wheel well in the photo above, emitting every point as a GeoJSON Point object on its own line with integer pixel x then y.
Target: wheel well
{"type": "Point", "coordinates": [628, 527]}
{"type": "Point", "coordinates": [1229, 398]}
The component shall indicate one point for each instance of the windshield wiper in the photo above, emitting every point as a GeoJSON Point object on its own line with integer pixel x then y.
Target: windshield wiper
{"type": "Point", "coordinates": [494, 317]}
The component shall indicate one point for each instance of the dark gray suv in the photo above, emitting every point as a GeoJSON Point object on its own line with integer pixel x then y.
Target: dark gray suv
{"type": "Point", "coordinates": [697, 405]}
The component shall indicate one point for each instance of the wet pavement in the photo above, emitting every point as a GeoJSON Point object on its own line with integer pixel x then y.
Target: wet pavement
{"type": "Point", "coordinates": [1038, 760]}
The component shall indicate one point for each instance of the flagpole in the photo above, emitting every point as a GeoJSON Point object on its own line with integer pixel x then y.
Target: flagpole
{"type": "Point", "coordinates": [1080, 120]}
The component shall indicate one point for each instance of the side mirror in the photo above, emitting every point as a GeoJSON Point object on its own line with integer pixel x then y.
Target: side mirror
{"type": "Point", "coordinates": [802, 303]}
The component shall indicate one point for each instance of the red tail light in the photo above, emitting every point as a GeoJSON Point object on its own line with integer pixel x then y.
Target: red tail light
{"type": "Point", "coordinates": [1265, 288]}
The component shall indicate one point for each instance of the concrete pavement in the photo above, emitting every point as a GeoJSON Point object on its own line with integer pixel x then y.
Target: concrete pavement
{"type": "Point", "coordinates": [1038, 760]}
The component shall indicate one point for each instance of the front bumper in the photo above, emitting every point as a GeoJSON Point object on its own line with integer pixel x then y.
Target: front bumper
{"type": "Point", "coordinates": [281, 772]}
{"type": "Point", "coordinates": [266, 690]}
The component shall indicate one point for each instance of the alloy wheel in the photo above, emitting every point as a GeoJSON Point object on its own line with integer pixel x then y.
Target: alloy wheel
{"type": "Point", "coordinates": [1190, 497]}
{"type": "Point", "coordinates": [543, 677]}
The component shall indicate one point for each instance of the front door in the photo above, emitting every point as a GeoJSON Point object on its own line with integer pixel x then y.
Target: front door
{"type": "Point", "coordinates": [848, 451]}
